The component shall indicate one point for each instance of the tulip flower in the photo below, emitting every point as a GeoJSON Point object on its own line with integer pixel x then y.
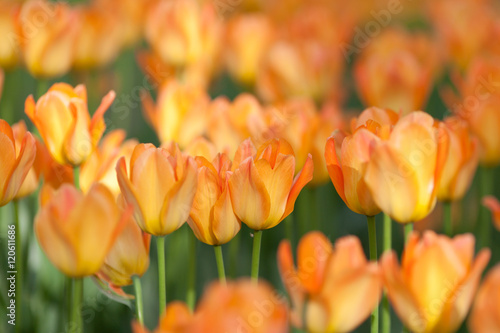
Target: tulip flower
{"type": "Point", "coordinates": [485, 314]}
{"type": "Point", "coordinates": [77, 231]}
{"type": "Point", "coordinates": [201, 147]}
{"type": "Point", "coordinates": [161, 185]}
{"type": "Point", "coordinates": [248, 37]}
{"type": "Point", "coordinates": [128, 256]}
{"type": "Point", "coordinates": [179, 114]}
{"type": "Point", "coordinates": [461, 162]}
{"type": "Point", "coordinates": [47, 48]}
{"type": "Point", "coordinates": [333, 288]}
{"type": "Point", "coordinates": [62, 118]}
{"type": "Point", "coordinates": [212, 218]}
{"type": "Point", "coordinates": [493, 205]}
{"type": "Point", "coordinates": [16, 160]}
{"type": "Point", "coordinates": [434, 287]}
{"type": "Point", "coordinates": [9, 44]}
{"type": "Point", "coordinates": [396, 71]}
{"type": "Point", "coordinates": [175, 319]}
{"type": "Point", "coordinates": [100, 165]}
{"type": "Point", "coordinates": [262, 187]}
{"type": "Point", "coordinates": [403, 172]}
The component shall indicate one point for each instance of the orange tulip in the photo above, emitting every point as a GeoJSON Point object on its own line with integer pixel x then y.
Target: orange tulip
{"type": "Point", "coordinates": [9, 43]}
{"type": "Point", "coordinates": [262, 187]}
{"type": "Point", "coordinates": [161, 187]}
{"type": "Point", "coordinates": [493, 205]}
{"type": "Point", "coordinates": [100, 166]}
{"type": "Point", "coordinates": [403, 172]}
{"type": "Point", "coordinates": [334, 289]}
{"type": "Point", "coordinates": [179, 114]}
{"type": "Point", "coordinates": [247, 37]}
{"type": "Point", "coordinates": [15, 161]}
{"type": "Point", "coordinates": [212, 218]}
{"type": "Point", "coordinates": [240, 306]}
{"type": "Point", "coordinates": [129, 256]}
{"type": "Point", "coordinates": [175, 319]}
{"type": "Point", "coordinates": [98, 39]}
{"type": "Point", "coordinates": [201, 147]}
{"type": "Point", "coordinates": [461, 162]}
{"type": "Point", "coordinates": [485, 314]}
{"type": "Point", "coordinates": [77, 231]}
{"type": "Point", "coordinates": [62, 118]}
{"type": "Point", "coordinates": [48, 36]}
{"type": "Point", "coordinates": [433, 288]}
{"type": "Point", "coordinates": [396, 71]}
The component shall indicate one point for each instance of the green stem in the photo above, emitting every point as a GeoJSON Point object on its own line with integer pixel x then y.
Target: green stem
{"type": "Point", "coordinates": [257, 240]}
{"type": "Point", "coordinates": [76, 177]}
{"type": "Point", "coordinates": [162, 287]}
{"type": "Point", "coordinates": [76, 315]}
{"type": "Point", "coordinates": [486, 188]}
{"type": "Point", "coordinates": [138, 299]}
{"type": "Point", "coordinates": [234, 248]}
{"type": "Point", "coordinates": [406, 330]}
{"type": "Point", "coordinates": [408, 230]}
{"type": "Point", "coordinates": [19, 267]}
{"type": "Point", "coordinates": [191, 291]}
{"type": "Point", "coordinates": [387, 244]}
{"type": "Point", "coordinates": [372, 240]}
{"type": "Point", "coordinates": [220, 263]}
{"type": "Point", "coordinates": [447, 222]}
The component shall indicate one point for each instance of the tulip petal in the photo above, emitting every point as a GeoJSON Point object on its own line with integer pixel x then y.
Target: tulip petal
{"type": "Point", "coordinates": [225, 224]}
{"type": "Point", "coordinates": [97, 124]}
{"type": "Point", "coordinates": [313, 254]}
{"type": "Point", "coordinates": [347, 257]}
{"type": "Point", "coordinates": [175, 316]}
{"type": "Point", "coordinates": [7, 158]}
{"type": "Point", "coordinates": [402, 298]}
{"type": "Point", "coordinates": [251, 201]}
{"type": "Point", "coordinates": [245, 150]}
{"type": "Point", "coordinates": [334, 167]}
{"type": "Point", "coordinates": [493, 205]}
{"type": "Point", "coordinates": [301, 179]}
{"type": "Point", "coordinates": [484, 317]}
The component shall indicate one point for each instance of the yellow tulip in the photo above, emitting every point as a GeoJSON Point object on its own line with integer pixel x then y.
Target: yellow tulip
{"type": "Point", "coordinates": [262, 187]}
{"type": "Point", "coordinates": [77, 231]}
{"type": "Point", "coordinates": [461, 161]}
{"type": "Point", "coordinates": [62, 118]}
{"type": "Point", "coordinates": [403, 172]}
{"type": "Point", "coordinates": [433, 288]}
{"type": "Point", "coordinates": [9, 44]}
{"type": "Point", "coordinates": [334, 289]}
{"type": "Point", "coordinates": [161, 187]}
{"type": "Point", "coordinates": [212, 218]}
{"type": "Point", "coordinates": [48, 36]}
{"type": "Point", "coordinates": [485, 314]}
{"type": "Point", "coordinates": [16, 160]}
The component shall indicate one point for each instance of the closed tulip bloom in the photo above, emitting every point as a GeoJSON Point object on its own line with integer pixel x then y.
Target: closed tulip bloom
{"type": "Point", "coordinates": [212, 218]}
{"type": "Point", "coordinates": [434, 287]}
{"type": "Point", "coordinates": [9, 44]}
{"type": "Point", "coordinates": [461, 162]}
{"type": "Point", "coordinates": [129, 256]}
{"type": "Point", "coordinates": [62, 118]}
{"type": "Point", "coordinates": [333, 289]}
{"type": "Point", "coordinates": [47, 48]}
{"type": "Point", "coordinates": [404, 170]}
{"type": "Point", "coordinates": [77, 231]}
{"type": "Point", "coordinates": [493, 205]}
{"type": "Point", "coordinates": [100, 166]}
{"type": "Point", "coordinates": [16, 160]}
{"type": "Point", "coordinates": [179, 114]}
{"type": "Point", "coordinates": [262, 187]}
{"type": "Point", "coordinates": [485, 314]}
{"type": "Point", "coordinates": [160, 185]}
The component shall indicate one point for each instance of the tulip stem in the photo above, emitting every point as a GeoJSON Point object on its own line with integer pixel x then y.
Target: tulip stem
{"type": "Point", "coordinates": [386, 310]}
{"type": "Point", "coordinates": [447, 223]}
{"type": "Point", "coordinates": [19, 266]}
{"type": "Point", "coordinates": [372, 240]}
{"type": "Point", "coordinates": [77, 294]}
{"type": "Point", "coordinates": [138, 299]}
{"type": "Point", "coordinates": [408, 230]}
{"type": "Point", "coordinates": [485, 188]}
{"type": "Point", "coordinates": [257, 240]}
{"type": "Point", "coordinates": [162, 287]}
{"type": "Point", "coordinates": [76, 177]}
{"type": "Point", "coordinates": [220, 263]}
{"type": "Point", "coordinates": [234, 247]}
{"type": "Point", "coordinates": [191, 291]}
